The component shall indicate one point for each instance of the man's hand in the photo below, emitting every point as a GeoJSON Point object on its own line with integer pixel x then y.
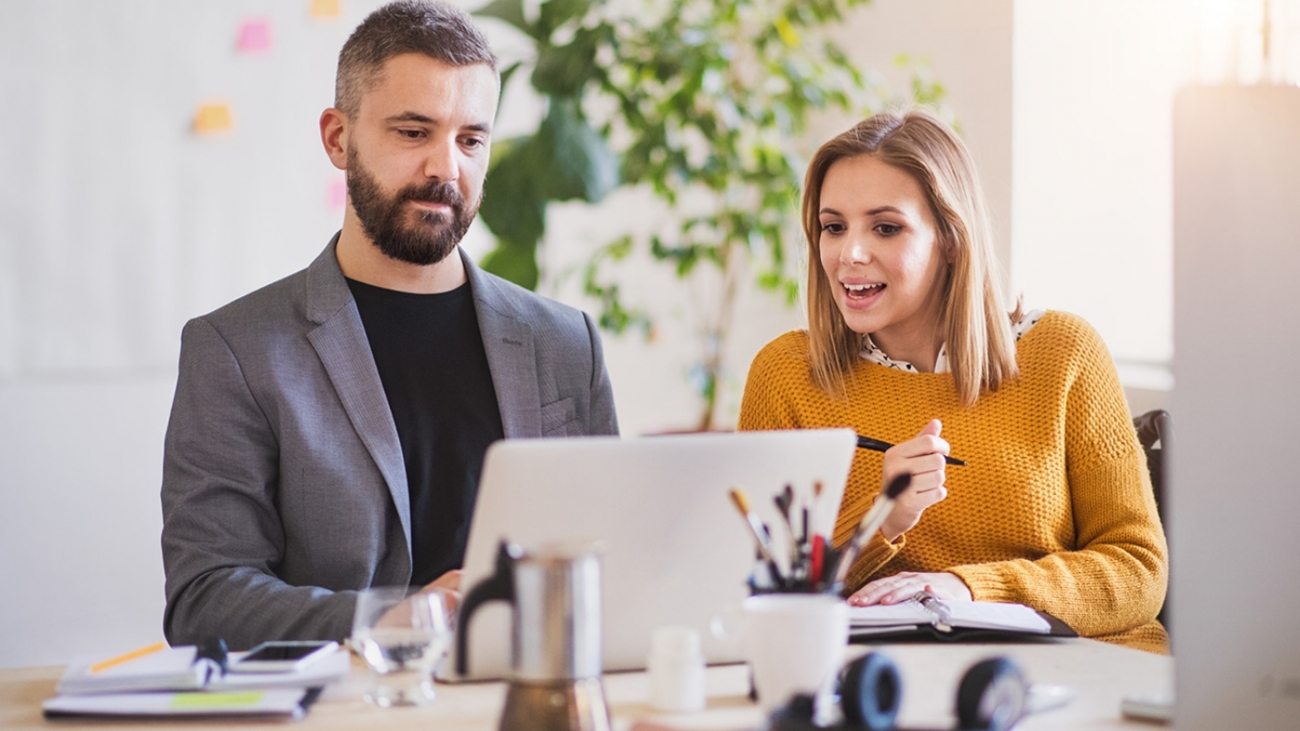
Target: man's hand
{"type": "Point", "coordinates": [449, 585]}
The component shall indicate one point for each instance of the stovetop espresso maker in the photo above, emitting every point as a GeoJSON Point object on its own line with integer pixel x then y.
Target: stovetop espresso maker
{"type": "Point", "coordinates": [555, 683]}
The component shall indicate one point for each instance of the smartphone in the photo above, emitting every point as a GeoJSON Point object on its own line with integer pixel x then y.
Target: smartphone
{"type": "Point", "coordinates": [282, 656]}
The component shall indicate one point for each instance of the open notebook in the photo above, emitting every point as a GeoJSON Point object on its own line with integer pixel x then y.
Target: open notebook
{"type": "Point", "coordinates": [927, 615]}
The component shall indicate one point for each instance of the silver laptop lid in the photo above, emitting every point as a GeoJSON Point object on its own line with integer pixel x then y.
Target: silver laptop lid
{"type": "Point", "coordinates": [675, 550]}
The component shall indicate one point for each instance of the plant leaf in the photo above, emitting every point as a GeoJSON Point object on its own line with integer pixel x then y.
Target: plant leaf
{"type": "Point", "coordinates": [514, 261]}
{"type": "Point", "coordinates": [514, 205]}
{"type": "Point", "coordinates": [555, 12]}
{"type": "Point", "coordinates": [563, 71]}
{"type": "Point", "coordinates": [577, 160]}
{"type": "Point", "coordinates": [511, 12]}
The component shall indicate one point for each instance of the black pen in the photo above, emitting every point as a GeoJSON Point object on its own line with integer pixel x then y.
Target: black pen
{"type": "Point", "coordinates": [876, 445]}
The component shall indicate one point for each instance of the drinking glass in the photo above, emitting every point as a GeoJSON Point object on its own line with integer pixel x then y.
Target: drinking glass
{"type": "Point", "coordinates": [402, 637]}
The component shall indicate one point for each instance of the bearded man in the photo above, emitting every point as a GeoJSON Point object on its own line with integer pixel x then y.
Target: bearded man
{"type": "Point", "coordinates": [328, 430]}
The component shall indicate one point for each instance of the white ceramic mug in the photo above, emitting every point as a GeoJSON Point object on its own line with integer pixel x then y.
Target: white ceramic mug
{"type": "Point", "coordinates": [795, 644]}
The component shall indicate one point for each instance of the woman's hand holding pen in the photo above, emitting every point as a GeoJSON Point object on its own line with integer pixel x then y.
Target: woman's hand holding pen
{"type": "Point", "coordinates": [905, 585]}
{"type": "Point", "coordinates": [923, 457]}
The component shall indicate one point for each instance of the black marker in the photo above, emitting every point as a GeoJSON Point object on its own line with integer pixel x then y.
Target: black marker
{"type": "Point", "coordinates": [876, 445]}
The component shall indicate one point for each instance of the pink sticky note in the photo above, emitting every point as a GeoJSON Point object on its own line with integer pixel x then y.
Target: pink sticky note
{"type": "Point", "coordinates": [254, 36]}
{"type": "Point", "coordinates": [338, 194]}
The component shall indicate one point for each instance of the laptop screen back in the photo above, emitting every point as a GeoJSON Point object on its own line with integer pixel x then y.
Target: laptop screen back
{"type": "Point", "coordinates": [674, 548]}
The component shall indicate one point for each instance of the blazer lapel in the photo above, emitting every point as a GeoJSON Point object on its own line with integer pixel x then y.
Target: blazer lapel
{"type": "Point", "coordinates": [508, 344]}
{"type": "Point", "coordinates": [340, 341]}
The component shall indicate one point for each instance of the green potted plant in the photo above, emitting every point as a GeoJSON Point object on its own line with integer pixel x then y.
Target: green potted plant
{"type": "Point", "coordinates": [693, 100]}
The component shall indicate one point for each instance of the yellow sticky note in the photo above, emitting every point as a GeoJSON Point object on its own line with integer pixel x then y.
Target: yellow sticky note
{"type": "Point", "coordinates": [213, 118]}
{"type": "Point", "coordinates": [325, 9]}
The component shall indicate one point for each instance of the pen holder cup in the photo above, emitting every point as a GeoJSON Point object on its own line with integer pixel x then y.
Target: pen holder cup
{"type": "Point", "coordinates": [814, 571]}
{"type": "Point", "coordinates": [794, 642]}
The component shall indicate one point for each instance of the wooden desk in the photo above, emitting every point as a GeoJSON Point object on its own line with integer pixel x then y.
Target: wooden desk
{"type": "Point", "coordinates": [1100, 674]}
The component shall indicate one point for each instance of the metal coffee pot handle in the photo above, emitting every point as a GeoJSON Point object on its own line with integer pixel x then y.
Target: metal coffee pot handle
{"type": "Point", "coordinates": [500, 585]}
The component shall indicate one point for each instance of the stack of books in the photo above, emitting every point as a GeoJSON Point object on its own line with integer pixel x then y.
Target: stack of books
{"type": "Point", "coordinates": [160, 681]}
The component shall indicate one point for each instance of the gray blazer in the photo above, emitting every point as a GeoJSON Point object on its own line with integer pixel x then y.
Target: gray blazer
{"type": "Point", "coordinates": [284, 489]}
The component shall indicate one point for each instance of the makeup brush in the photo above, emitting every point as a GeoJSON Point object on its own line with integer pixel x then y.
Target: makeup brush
{"type": "Point", "coordinates": [761, 538]}
{"type": "Point", "coordinates": [785, 506]}
{"type": "Point", "coordinates": [870, 523]}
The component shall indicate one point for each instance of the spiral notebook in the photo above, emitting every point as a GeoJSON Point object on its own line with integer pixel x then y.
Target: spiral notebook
{"type": "Point", "coordinates": [926, 615]}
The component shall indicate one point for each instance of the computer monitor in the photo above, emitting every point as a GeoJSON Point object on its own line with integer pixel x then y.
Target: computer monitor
{"type": "Point", "coordinates": [1233, 494]}
{"type": "Point", "coordinates": [675, 549]}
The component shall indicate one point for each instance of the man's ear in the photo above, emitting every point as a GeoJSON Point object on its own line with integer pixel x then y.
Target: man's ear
{"type": "Point", "coordinates": [334, 136]}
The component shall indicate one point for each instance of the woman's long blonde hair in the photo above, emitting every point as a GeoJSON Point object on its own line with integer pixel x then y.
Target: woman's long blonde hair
{"type": "Point", "coordinates": [974, 325]}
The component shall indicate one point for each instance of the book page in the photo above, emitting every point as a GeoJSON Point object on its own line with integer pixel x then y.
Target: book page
{"type": "Point", "coordinates": [885, 615]}
{"type": "Point", "coordinates": [995, 615]}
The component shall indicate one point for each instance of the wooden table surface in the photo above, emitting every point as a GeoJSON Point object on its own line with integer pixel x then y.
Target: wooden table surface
{"type": "Point", "coordinates": [1099, 674]}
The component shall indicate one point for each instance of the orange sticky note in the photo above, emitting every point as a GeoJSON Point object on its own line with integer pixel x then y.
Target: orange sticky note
{"type": "Point", "coordinates": [254, 36]}
{"type": "Point", "coordinates": [337, 196]}
{"type": "Point", "coordinates": [213, 118]}
{"type": "Point", "coordinates": [325, 9]}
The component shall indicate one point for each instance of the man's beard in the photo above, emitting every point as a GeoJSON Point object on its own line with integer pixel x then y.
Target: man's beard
{"type": "Point", "coordinates": [384, 218]}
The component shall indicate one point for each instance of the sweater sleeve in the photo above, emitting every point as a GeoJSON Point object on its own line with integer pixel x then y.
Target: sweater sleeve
{"type": "Point", "coordinates": [876, 554]}
{"type": "Point", "coordinates": [1116, 577]}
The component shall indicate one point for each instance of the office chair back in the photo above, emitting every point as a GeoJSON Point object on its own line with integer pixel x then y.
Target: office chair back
{"type": "Point", "coordinates": [1154, 431]}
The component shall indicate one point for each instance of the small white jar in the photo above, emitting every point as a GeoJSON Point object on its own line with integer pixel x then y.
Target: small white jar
{"type": "Point", "coordinates": [676, 670]}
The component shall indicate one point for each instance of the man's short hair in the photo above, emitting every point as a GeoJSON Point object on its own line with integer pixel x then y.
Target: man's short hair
{"type": "Point", "coordinates": [434, 29]}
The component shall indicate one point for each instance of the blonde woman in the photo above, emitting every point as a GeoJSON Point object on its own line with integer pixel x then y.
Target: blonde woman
{"type": "Point", "coordinates": [910, 341]}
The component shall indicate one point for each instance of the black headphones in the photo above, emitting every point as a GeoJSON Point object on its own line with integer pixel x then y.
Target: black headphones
{"type": "Point", "coordinates": [991, 697]}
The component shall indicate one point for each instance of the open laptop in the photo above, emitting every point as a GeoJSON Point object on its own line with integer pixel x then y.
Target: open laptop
{"type": "Point", "coordinates": [675, 549]}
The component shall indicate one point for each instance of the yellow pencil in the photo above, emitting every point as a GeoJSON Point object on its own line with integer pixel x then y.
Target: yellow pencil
{"type": "Point", "coordinates": [127, 657]}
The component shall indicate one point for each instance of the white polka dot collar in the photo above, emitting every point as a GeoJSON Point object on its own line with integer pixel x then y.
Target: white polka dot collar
{"type": "Point", "coordinates": [875, 355]}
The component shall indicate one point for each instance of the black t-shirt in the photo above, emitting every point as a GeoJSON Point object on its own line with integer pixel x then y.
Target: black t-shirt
{"type": "Point", "coordinates": [430, 357]}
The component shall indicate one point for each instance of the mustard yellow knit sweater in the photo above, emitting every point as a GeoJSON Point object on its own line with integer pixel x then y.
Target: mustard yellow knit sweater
{"type": "Point", "coordinates": [1054, 508]}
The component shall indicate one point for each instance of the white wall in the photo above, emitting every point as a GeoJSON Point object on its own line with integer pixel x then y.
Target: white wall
{"type": "Point", "coordinates": [79, 514]}
{"type": "Point", "coordinates": [116, 225]}
{"type": "Point", "coordinates": [1092, 213]}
